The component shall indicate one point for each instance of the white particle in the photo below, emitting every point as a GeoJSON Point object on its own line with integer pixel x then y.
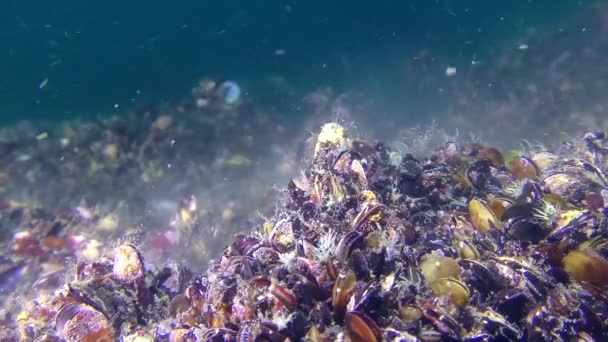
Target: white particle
{"type": "Point", "coordinates": [450, 71]}
{"type": "Point", "coordinates": [43, 83]}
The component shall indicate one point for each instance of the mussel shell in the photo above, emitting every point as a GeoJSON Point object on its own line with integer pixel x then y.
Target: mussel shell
{"type": "Point", "coordinates": [341, 294]}
{"type": "Point", "coordinates": [513, 305]}
{"type": "Point", "coordinates": [371, 211]}
{"type": "Point", "coordinates": [358, 172]}
{"type": "Point", "coordinates": [480, 276]}
{"type": "Point", "coordinates": [596, 174]}
{"type": "Point", "coordinates": [410, 176]}
{"type": "Point", "coordinates": [587, 265]}
{"type": "Point", "coordinates": [220, 334]}
{"type": "Point", "coordinates": [518, 210]}
{"type": "Point", "coordinates": [530, 191]}
{"type": "Point", "coordinates": [437, 267]}
{"type": "Point", "coordinates": [80, 322]}
{"type": "Point", "coordinates": [544, 159]}
{"type": "Point", "coordinates": [370, 299]}
{"type": "Point", "coordinates": [494, 155]}
{"type": "Point", "coordinates": [358, 263]}
{"type": "Point", "coordinates": [569, 224]}
{"type": "Point", "coordinates": [297, 193]}
{"type": "Point", "coordinates": [66, 313]}
{"type": "Point", "coordinates": [266, 255]}
{"type": "Point", "coordinates": [128, 264]}
{"type": "Point", "coordinates": [457, 290]}
{"type": "Point", "coordinates": [466, 250]}
{"type": "Point", "coordinates": [499, 205]}
{"type": "Point", "coordinates": [526, 229]}
{"type": "Point", "coordinates": [563, 184]}
{"type": "Point", "coordinates": [482, 218]}
{"type": "Point", "coordinates": [523, 167]}
{"type": "Point", "coordinates": [348, 243]}
{"type": "Point", "coordinates": [480, 175]}
{"type": "Point", "coordinates": [332, 272]}
{"type": "Point", "coordinates": [244, 245]}
{"type": "Point", "coordinates": [361, 328]}
{"type": "Point", "coordinates": [502, 331]}
{"type": "Point", "coordinates": [363, 148]}
{"type": "Point", "coordinates": [286, 297]}
{"type": "Point", "coordinates": [342, 162]}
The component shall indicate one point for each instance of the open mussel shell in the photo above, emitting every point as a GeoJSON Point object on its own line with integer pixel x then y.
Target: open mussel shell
{"type": "Point", "coordinates": [482, 218]}
{"type": "Point", "coordinates": [81, 322]}
{"type": "Point", "coordinates": [457, 290]}
{"type": "Point", "coordinates": [371, 211]}
{"type": "Point", "coordinates": [341, 293]}
{"type": "Point", "coordinates": [361, 328]}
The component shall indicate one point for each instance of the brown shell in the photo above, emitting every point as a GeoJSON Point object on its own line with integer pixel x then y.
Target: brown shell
{"type": "Point", "coordinates": [361, 328]}
{"type": "Point", "coordinates": [482, 218]}
{"type": "Point", "coordinates": [80, 322]}
{"type": "Point", "coordinates": [341, 294]}
{"type": "Point", "coordinates": [524, 168]}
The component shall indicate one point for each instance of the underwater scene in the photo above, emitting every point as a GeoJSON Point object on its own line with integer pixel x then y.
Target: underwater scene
{"type": "Point", "coordinates": [395, 170]}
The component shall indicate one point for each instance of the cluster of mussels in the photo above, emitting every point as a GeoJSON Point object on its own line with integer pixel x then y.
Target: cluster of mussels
{"type": "Point", "coordinates": [65, 188]}
{"type": "Point", "coordinates": [468, 245]}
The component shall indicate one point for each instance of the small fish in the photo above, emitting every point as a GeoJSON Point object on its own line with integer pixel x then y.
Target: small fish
{"type": "Point", "coordinates": [43, 83]}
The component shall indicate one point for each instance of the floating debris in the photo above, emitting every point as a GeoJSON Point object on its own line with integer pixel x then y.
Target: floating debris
{"type": "Point", "coordinates": [43, 83]}
{"type": "Point", "coordinates": [229, 92]}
